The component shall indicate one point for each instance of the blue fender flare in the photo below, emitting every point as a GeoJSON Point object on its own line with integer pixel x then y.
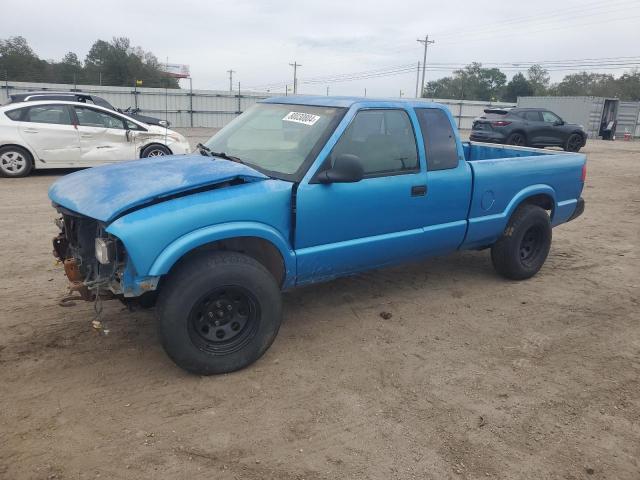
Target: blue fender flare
{"type": "Point", "coordinates": [183, 245]}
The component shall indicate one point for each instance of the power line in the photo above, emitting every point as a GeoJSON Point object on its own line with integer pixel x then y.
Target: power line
{"type": "Point", "coordinates": [605, 63]}
{"type": "Point", "coordinates": [562, 14]}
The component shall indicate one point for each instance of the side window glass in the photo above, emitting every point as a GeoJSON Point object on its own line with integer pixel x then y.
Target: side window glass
{"type": "Point", "coordinates": [383, 140]}
{"type": "Point", "coordinates": [54, 114]}
{"type": "Point", "coordinates": [439, 139]}
{"type": "Point", "coordinates": [550, 117]}
{"type": "Point", "coordinates": [88, 117]}
{"type": "Point", "coordinates": [16, 114]}
{"type": "Point", "coordinates": [132, 126]}
{"type": "Point", "coordinates": [532, 116]}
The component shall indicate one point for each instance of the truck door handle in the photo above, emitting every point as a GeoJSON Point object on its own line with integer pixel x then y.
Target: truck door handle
{"type": "Point", "coordinates": [418, 190]}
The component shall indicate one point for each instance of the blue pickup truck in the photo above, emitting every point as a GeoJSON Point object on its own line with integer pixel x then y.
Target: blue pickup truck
{"type": "Point", "coordinates": [298, 190]}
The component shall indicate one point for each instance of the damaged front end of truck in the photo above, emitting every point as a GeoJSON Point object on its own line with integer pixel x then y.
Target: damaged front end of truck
{"type": "Point", "coordinates": [95, 262]}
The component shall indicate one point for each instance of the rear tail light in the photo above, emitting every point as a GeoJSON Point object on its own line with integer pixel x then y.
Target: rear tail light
{"type": "Point", "coordinates": [584, 172]}
{"type": "Point", "coordinates": [500, 123]}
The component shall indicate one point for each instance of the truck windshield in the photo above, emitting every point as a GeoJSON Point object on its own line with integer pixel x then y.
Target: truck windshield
{"type": "Point", "coordinates": [277, 139]}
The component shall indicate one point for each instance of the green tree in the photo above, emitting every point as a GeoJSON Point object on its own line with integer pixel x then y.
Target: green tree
{"type": "Point", "coordinates": [539, 79]}
{"type": "Point", "coordinates": [19, 62]}
{"type": "Point", "coordinates": [519, 86]}
{"type": "Point", "coordinates": [473, 82]}
{"type": "Point", "coordinates": [115, 62]}
{"type": "Point", "coordinates": [589, 84]}
{"type": "Point", "coordinates": [629, 85]}
{"type": "Point", "coordinates": [121, 64]}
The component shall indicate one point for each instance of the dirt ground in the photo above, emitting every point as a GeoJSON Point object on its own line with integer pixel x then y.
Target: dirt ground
{"type": "Point", "coordinates": [472, 376]}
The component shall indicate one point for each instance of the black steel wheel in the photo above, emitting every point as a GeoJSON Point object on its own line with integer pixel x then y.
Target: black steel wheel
{"type": "Point", "coordinates": [224, 320]}
{"type": "Point", "coordinates": [523, 247]}
{"type": "Point", "coordinates": [574, 143]}
{"type": "Point", "coordinates": [517, 139]}
{"type": "Point", "coordinates": [218, 312]}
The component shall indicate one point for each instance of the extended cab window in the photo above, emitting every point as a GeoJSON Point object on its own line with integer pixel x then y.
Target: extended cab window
{"type": "Point", "coordinates": [55, 114]}
{"type": "Point", "coordinates": [439, 139]}
{"type": "Point", "coordinates": [88, 117]}
{"type": "Point", "coordinates": [383, 140]}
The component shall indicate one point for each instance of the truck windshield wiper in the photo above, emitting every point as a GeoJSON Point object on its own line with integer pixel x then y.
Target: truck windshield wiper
{"type": "Point", "coordinates": [226, 157]}
{"type": "Point", "coordinates": [204, 150]}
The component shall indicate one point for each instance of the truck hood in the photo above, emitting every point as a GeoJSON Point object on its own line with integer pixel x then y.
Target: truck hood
{"type": "Point", "coordinates": [105, 192]}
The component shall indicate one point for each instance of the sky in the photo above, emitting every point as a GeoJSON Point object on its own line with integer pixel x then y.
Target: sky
{"type": "Point", "coordinates": [373, 44]}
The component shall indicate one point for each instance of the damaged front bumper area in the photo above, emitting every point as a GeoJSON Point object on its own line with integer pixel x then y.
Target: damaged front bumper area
{"type": "Point", "coordinates": [96, 262]}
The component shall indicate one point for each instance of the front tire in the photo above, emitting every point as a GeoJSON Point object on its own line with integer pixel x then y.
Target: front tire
{"type": "Point", "coordinates": [523, 248]}
{"type": "Point", "coordinates": [218, 312]}
{"type": "Point", "coordinates": [155, 151]}
{"type": "Point", "coordinates": [15, 162]}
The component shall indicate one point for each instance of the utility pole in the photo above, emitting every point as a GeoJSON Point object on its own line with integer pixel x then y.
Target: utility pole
{"type": "Point", "coordinates": [295, 66]}
{"type": "Point", "coordinates": [426, 42]}
{"type": "Point", "coordinates": [327, 90]}
{"type": "Point", "coordinates": [231, 72]}
{"type": "Point", "coordinates": [365, 92]}
{"type": "Point", "coordinates": [417, 79]}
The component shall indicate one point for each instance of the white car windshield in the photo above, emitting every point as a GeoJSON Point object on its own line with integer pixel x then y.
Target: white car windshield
{"type": "Point", "coordinates": [275, 138]}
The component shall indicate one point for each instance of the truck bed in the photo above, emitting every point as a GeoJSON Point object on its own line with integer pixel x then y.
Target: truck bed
{"type": "Point", "coordinates": [505, 175]}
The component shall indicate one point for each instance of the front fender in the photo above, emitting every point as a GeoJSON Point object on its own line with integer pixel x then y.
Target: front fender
{"type": "Point", "coordinates": [181, 246]}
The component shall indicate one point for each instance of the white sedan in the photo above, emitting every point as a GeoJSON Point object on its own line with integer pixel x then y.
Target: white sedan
{"type": "Point", "coordinates": [61, 134]}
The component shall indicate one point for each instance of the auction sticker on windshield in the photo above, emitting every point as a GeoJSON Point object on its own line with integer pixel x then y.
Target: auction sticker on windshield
{"type": "Point", "coordinates": [304, 118]}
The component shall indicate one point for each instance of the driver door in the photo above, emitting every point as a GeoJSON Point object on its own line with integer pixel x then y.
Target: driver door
{"type": "Point", "coordinates": [347, 227]}
{"type": "Point", "coordinates": [104, 137]}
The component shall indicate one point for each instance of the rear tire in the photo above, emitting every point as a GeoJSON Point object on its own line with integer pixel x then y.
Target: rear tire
{"type": "Point", "coordinates": [518, 139]}
{"type": "Point", "coordinates": [155, 151]}
{"type": "Point", "coordinates": [15, 162]}
{"type": "Point", "coordinates": [218, 312]}
{"type": "Point", "coordinates": [573, 143]}
{"type": "Point", "coordinates": [523, 248]}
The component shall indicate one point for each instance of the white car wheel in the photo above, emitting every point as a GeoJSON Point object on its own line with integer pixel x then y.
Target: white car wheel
{"type": "Point", "coordinates": [14, 162]}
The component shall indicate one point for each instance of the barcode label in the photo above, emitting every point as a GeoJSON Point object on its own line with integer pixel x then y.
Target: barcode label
{"type": "Point", "coordinates": [298, 117]}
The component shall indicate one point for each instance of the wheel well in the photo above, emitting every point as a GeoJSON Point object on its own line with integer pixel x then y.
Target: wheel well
{"type": "Point", "coordinates": [541, 200]}
{"type": "Point", "coordinates": [144, 147]}
{"type": "Point", "coordinates": [258, 248]}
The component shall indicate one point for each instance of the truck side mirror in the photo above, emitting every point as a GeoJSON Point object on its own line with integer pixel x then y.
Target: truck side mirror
{"type": "Point", "coordinates": [346, 168]}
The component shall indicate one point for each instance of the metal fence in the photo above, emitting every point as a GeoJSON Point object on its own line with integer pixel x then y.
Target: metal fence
{"type": "Point", "coordinates": [182, 107]}
{"type": "Point", "coordinates": [204, 108]}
